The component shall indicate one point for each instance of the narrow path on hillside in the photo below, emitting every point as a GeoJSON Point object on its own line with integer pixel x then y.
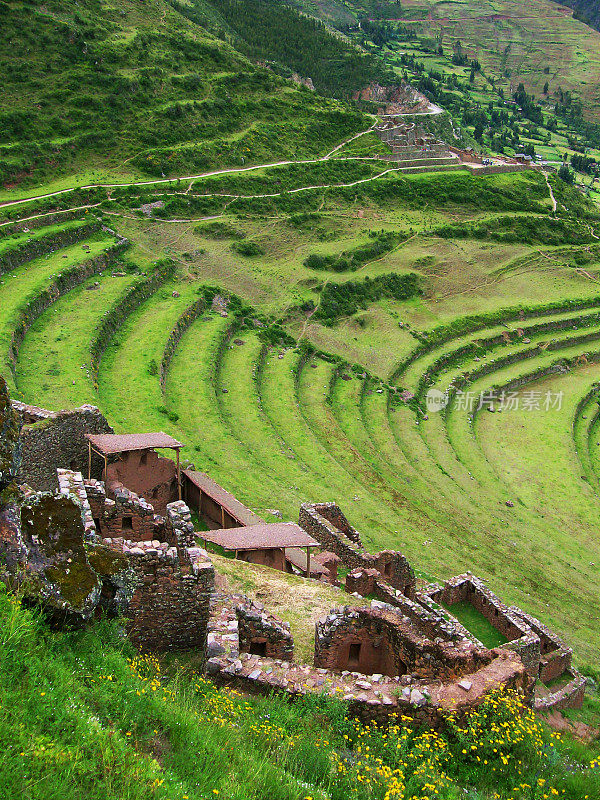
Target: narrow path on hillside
{"type": "Point", "coordinates": [551, 192]}
{"type": "Point", "coordinates": [312, 313]}
{"type": "Point", "coordinates": [225, 171]}
{"type": "Point", "coordinates": [351, 139]}
{"type": "Point", "coordinates": [235, 197]}
{"type": "Point", "coordinates": [49, 213]}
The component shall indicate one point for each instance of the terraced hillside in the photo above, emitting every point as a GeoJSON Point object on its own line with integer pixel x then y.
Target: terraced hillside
{"type": "Point", "coordinates": [527, 41]}
{"type": "Point", "coordinates": [289, 383]}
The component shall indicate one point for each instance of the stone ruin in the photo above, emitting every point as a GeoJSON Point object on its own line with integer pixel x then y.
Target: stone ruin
{"type": "Point", "coordinates": [545, 656]}
{"type": "Point", "coordinates": [385, 574]}
{"type": "Point", "coordinates": [389, 577]}
{"type": "Point", "coordinates": [447, 673]}
{"type": "Point", "coordinates": [55, 554]}
{"type": "Point", "coordinates": [402, 98]}
{"type": "Point", "coordinates": [412, 145]}
{"type": "Point", "coordinates": [79, 552]}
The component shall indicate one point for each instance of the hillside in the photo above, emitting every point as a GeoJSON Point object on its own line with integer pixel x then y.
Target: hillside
{"type": "Point", "coordinates": [528, 41]}
{"type": "Point", "coordinates": [196, 243]}
{"type": "Point", "coordinates": [585, 10]}
{"type": "Point", "coordinates": [93, 89]}
{"type": "Point", "coordinates": [83, 714]}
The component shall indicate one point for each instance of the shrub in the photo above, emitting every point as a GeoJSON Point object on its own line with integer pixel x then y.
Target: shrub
{"type": "Point", "coordinates": [350, 260]}
{"type": "Point", "coordinates": [343, 299]}
{"type": "Point", "coordinates": [247, 249]}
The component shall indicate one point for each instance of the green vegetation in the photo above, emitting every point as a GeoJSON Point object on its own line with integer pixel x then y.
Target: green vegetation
{"type": "Point", "coordinates": [289, 42]}
{"type": "Point", "coordinates": [477, 624]}
{"type": "Point", "coordinates": [532, 230]}
{"type": "Point", "coordinates": [291, 386]}
{"type": "Point", "coordinates": [353, 259]}
{"type": "Point", "coordinates": [340, 300]}
{"type": "Point", "coordinates": [82, 713]}
{"type": "Point", "coordinates": [109, 84]}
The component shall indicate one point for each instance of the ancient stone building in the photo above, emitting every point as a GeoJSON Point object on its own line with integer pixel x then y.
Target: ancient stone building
{"type": "Point", "coordinates": [56, 439]}
{"type": "Point", "coordinates": [261, 633]}
{"type": "Point", "coordinates": [382, 640]}
{"type": "Point", "coordinates": [545, 656]}
{"type": "Point", "coordinates": [470, 672]}
{"type": "Point", "coordinates": [132, 463]}
{"type": "Point", "coordinates": [84, 547]}
{"type": "Point", "coordinates": [329, 526]}
{"type": "Point", "coordinates": [170, 602]}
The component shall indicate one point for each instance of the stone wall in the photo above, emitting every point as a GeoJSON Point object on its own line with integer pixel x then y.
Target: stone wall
{"type": "Point", "coordinates": [555, 655]}
{"type": "Point", "coordinates": [179, 525]}
{"type": "Point", "coordinates": [149, 475]}
{"type": "Point", "coordinates": [61, 285]}
{"type": "Point", "coordinates": [16, 256]}
{"type": "Point", "coordinates": [58, 441]}
{"type": "Point", "coordinates": [29, 414]}
{"type": "Point", "coordinates": [70, 484]}
{"type": "Point", "coordinates": [170, 605]}
{"type": "Point", "coordinates": [189, 316]}
{"type": "Point", "coordinates": [118, 313]}
{"type": "Point", "coordinates": [521, 638]}
{"type": "Point", "coordinates": [263, 634]}
{"type": "Point", "coordinates": [41, 221]}
{"type": "Point", "coordinates": [381, 639]}
{"type": "Point", "coordinates": [326, 523]}
{"type": "Point", "coordinates": [128, 516]}
{"type": "Point", "coordinates": [376, 697]}
{"type": "Point", "coordinates": [10, 443]}
{"type": "Point", "coordinates": [568, 696]}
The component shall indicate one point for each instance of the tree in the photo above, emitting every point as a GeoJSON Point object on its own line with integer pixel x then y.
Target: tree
{"type": "Point", "coordinates": [546, 87]}
{"type": "Point", "coordinates": [565, 174]}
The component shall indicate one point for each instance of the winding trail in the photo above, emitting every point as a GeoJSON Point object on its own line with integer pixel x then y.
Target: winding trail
{"type": "Point", "coordinates": [226, 171]}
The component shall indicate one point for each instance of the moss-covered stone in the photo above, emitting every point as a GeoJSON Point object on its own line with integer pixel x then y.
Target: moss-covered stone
{"type": "Point", "coordinates": [58, 569]}
{"type": "Point", "coordinates": [9, 439]}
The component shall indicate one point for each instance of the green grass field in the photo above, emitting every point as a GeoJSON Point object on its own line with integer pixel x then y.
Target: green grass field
{"type": "Point", "coordinates": [476, 623]}
{"type": "Point", "coordinates": [285, 392]}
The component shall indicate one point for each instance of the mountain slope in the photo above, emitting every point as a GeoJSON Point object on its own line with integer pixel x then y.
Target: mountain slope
{"type": "Point", "coordinates": [140, 88]}
{"type": "Point", "coordinates": [528, 41]}
{"type": "Point", "coordinates": [587, 11]}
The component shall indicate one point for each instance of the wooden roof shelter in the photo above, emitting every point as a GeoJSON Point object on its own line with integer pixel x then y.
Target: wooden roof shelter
{"type": "Point", "coordinates": [264, 536]}
{"type": "Point", "coordinates": [111, 444]}
{"type": "Point", "coordinates": [224, 499]}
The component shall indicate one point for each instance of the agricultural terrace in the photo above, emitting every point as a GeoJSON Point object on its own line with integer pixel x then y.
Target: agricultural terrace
{"type": "Point", "coordinates": [285, 381]}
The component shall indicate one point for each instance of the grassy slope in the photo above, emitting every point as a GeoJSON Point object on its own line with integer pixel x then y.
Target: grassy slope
{"type": "Point", "coordinates": [141, 89]}
{"type": "Point", "coordinates": [35, 276]}
{"type": "Point", "coordinates": [83, 715]}
{"type": "Point", "coordinates": [275, 440]}
{"type": "Point", "coordinates": [63, 336]}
